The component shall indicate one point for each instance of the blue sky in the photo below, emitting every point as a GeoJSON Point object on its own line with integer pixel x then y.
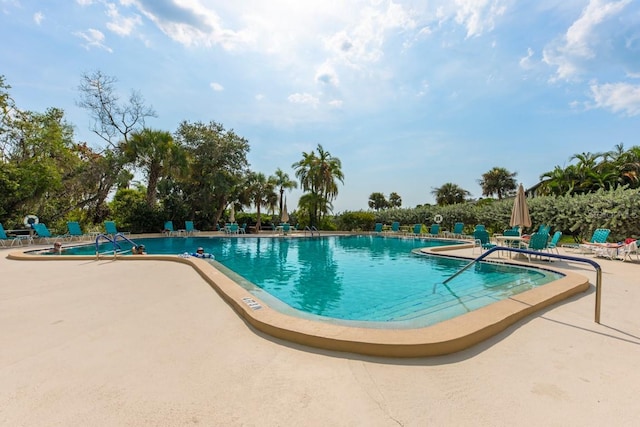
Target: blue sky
{"type": "Point", "coordinates": [408, 95]}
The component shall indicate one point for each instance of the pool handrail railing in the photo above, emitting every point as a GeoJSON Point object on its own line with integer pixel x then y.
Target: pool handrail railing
{"type": "Point", "coordinates": [113, 240]}
{"type": "Point", "coordinates": [311, 230]}
{"type": "Point", "coordinates": [550, 255]}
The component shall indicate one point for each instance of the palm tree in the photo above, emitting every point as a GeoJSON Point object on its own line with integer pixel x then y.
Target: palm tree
{"type": "Point", "coordinates": [395, 201]}
{"type": "Point", "coordinates": [377, 201]}
{"type": "Point", "coordinates": [498, 181]}
{"type": "Point", "coordinates": [261, 191]}
{"type": "Point", "coordinates": [318, 175]}
{"type": "Point", "coordinates": [450, 194]}
{"type": "Point", "coordinates": [156, 152]}
{"type": "Point", "coordinates": [283, 182]}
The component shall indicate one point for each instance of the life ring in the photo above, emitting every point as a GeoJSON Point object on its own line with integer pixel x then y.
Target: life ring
{"type": "Point", "coordinates": [437, 218]}
{"type": "Point", "coordinates": [29, 220]}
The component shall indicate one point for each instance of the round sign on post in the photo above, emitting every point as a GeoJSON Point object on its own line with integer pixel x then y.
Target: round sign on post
{"type": "Point", "coordinates": [437, 219]}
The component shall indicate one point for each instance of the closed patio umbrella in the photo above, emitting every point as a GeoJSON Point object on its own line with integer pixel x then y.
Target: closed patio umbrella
{"type": "Point", "coordinates": [520, 213]}
{"type": "Point", "coordinates": [285, 214]}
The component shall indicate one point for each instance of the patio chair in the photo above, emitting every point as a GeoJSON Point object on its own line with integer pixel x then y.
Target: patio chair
{"type": "Point", "coordinates": [553, 244]}
{"type": "Point", "coordinates": [458, 230]}
{"type": "Point", "coordinates": [395, 227]}
{"type": "Point", "coordinates": [75, 231]}
{"type": "Point", "coordinates": [599, 237]}
{"type": "Point", "coordinates": [43, 233]}
{"type": "Point", "coordinates": [111, 229]}
{"type": "Point", "coordinates": [482, 240]}
{"type": "Point", "coordinates": [191, 230]}
{"type": "Point", "coordinates": [243, 228]}
{"type": "Point", "coordinates": [6, 239]}
{"type": "Point", "coordinates": [170, 231]}
{"type": "Point", "coordinates": [378, 227]}
{"type": "Point", "coordinates": [538, 242]}
{"type": "Point", "coordinates": [434, 230]}
{"type": "Point", "coordinates": [285, 228]}
{"type": "Point", "coordinates": [417, 229]}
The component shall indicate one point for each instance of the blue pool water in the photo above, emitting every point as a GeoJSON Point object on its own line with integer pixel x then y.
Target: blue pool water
{"type": "Point", "coordinates": [372, 279]}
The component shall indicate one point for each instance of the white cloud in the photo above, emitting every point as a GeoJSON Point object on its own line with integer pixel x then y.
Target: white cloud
{"type": "Point", "coordinates": [575, 47]}
{"type": "Point", "coordinates": [617, 97]}
{"type": "Point", "coordinates": [478, 15]}
{"type": "Point", "coordinates": [336, 103]}
{"type": "Point", "coordinates": [363, 39]}
{"type": "Point", "coordinates": [303, 98]}
{"type": "Point", "coordinates": [119, 24]}
{"type": "Point", "coordinates": [191, 23]}
{"type": "Point", "coordinates": [84, 2]}
{"type": "Point", "coordinates": [327, 74]}
{"type": "Point", "coordinates": [94, 38]}
{"type": "Point", "coordinates": [525, 62]}
{"type": "Point", "coordinates": [38, 17]}
{"type": "Point", "coordinates": [216, 86]}
{"type": "Point", "coordinates": [259, 97]}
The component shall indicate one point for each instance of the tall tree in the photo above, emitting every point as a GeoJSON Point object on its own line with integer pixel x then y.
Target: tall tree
{"type": "Point", "coordinates": [217, 170]}
{"type": "Point", "coordinates": [498, 181]}
{"type": "Point", "coordinates": [156, 153]}
{"type": "Point", "coordinates": [377, 201]}
{"type": "Point", "coordinates": [261, 191]}
{"type": "Point", "coordinates": [318, 175]}
{"type": "Point", "coordinates": [283, 182]}
{"type": "Point", "coordinates": [450, 194]}
{"type": "Point", "coordinates": [113, 121]}
{"type": "Point", "coordinates": [395, 201]}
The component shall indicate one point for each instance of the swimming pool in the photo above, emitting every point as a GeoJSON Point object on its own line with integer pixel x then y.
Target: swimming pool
{"type": "Point", "coordinates": [371, 281]}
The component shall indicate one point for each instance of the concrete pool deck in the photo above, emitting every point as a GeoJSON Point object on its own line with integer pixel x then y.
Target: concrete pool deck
{"type": "Point", "coordinates": [150, 343]}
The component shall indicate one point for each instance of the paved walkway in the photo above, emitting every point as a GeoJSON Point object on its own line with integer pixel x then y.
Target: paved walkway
{"type": "Point", "coordinates": [106, 343]}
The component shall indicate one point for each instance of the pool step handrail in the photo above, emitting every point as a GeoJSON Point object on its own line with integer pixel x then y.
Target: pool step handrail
{"type": "Point", "coordinates": [550, 255]}
{"type": "Point", "coordinates": [311, 230]}
{"type": "Point", "coordinates": [114, 242]}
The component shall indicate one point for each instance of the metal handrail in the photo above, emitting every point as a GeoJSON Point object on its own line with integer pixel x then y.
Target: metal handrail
{"type": "Point", "coordinates": [550, 255]}
{"type": "Point", "coordinates": [113, 241]}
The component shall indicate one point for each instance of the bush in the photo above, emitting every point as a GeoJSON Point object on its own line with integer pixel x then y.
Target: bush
{"type": "Point", "coordinates": [355, 221]}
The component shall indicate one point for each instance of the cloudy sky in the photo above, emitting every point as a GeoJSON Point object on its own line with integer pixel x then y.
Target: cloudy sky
{"type": "Point", "coordinates": [408, 95]}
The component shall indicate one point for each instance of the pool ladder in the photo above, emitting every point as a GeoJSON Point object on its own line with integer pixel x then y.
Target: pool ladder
{"type": "Point", "coordinates": [116, 247]}
{"type": "Point", "coordinates": [311, 230]}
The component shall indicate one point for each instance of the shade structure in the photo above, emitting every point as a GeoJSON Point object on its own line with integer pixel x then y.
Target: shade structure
{"type": "Point", "coordinates": [285, 214]}
{"type": "Point", "coordinates": [520, 213]}
{"type": "Point", "coordinates": [232, 215]}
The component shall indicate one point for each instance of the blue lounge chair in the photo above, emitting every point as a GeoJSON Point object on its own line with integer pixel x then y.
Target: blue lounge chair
{"type": "Point", "coordinates": [170, 231]}
{"type": "Point", "coordinates": [43, 233]}
{"type": "Point", "coordinates": [190, 229]}
{"type": "Point", "coordinates": [458, 230]}
{"type": "Point", "coordinates": [111, 229]}
{"type": "Point", "coordinates": [75, 231]}
{"type": "Point", "coordinates": [417, 229]}
{"type": "Point", "coordinates": [395, 227]}
{"type": "Point", "coordinates": [600, 235]}
{"type": "Point", "coordinates": [434, 230]}
{"type": "Point", "coordinates": [17, 239]}
{"type": "Point", "coordinates": [378, 227]}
